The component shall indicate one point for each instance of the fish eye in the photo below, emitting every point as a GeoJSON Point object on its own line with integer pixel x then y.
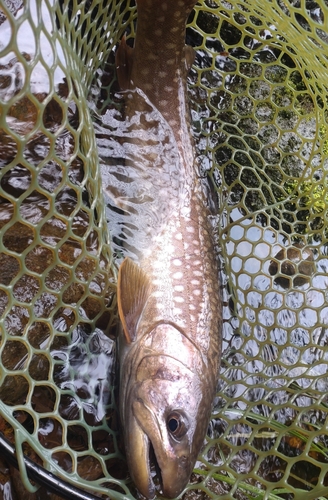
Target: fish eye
{"type": "Point", "coordinates": [176, 424]}
{"type": "Point", "coordinates": [173, 424]}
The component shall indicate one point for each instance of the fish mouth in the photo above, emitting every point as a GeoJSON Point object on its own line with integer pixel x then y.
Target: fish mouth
{"type": "Point", "coordinates": [146, 471]}
{"type": "Point", "coordinates": [154, 465]}
{"type": "Point", "coordinates": [167, 485]}
{"type": "Point", "coordinates": [138, 452]}
{"type": "Point", "coordinates": [163, 479]}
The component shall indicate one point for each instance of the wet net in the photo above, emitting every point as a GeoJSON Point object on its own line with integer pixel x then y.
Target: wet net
{"type": "Point", "coordinates": [258, 97]}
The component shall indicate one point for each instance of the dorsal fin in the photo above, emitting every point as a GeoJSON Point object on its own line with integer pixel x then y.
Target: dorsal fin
{"type": "Point", "coordinates": [123, 63]}
{"type": "Point", "coordinates": [133, 290]}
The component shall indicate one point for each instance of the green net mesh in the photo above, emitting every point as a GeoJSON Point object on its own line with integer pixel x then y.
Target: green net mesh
{"type": "Point", "coordinates": [259, 108]}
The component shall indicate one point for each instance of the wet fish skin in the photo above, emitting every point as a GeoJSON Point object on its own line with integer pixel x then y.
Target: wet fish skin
{"type": "Point", "coordinates": [169, 300]}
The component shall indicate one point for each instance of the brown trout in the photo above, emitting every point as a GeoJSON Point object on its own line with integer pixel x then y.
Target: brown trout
{"type": "Point", "coordinates": [168, 296]}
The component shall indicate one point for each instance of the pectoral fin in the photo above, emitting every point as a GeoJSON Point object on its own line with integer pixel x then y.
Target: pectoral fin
{"type": "Point", "coordinates": [133, 290]}
{"type": "Point", "coordinates": [123, 62]}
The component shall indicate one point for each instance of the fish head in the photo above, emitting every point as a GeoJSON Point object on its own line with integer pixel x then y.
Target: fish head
{"type": "Point", "coordinates": [167, 409]}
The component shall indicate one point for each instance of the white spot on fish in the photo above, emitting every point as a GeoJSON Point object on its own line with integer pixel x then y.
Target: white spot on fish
{"type": "Point", "coordinates": [178, 275]}
{"type": "Point", "coordinates": [177, 262]}
{"type": "Point", "coordinates": [164, 6]}
{"type": "Point", "coordinates": [179, 299]}
{"type": "Point", "coordinates": [158, 32]}
{"type": "Point", "coordinates": [190, 229]}
{"type": "Point", "coordinates": [148, 342]}
{"type": "Point", "coordinates": [179, 288]}
{"type": "Point", "coordinates": [195, 242]}
{"type": "Point", "coordinates": [162, 74]}
{"type": "Point", "coordinates": [196, 292]}
{"type": "Point", "coordinates": [163, 102]}
{"type": "Point", "coordinates": [192, 307]}
{"type": "Point", "coordinates": [178, 236]}
{"type": "Point", "coordinates": [170, 62]}
{"type": "Point", "coordinates": [196, 272]}
{"type": "Point", "coordinates": [195, 282]}
{"type": "Point", "coordinates": [167, 88]}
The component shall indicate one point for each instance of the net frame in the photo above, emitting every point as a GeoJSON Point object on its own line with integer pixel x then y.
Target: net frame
{"type": "Point", "coordinates": [258, 100]}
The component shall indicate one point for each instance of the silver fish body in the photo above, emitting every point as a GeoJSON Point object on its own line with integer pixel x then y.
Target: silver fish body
{"type": "Point", "coordinates": [168, 294]}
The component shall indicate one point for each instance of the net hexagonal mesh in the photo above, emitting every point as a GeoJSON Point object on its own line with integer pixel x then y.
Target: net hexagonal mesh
{"type": "Point", "coordinates": [259, 110]}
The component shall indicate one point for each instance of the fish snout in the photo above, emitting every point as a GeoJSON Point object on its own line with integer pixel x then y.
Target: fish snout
{"type": "Point", "coordinates": [175, 476]}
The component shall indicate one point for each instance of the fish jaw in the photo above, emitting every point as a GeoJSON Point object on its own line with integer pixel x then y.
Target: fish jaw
{"type": "Point", "coordinates": [174, 463]}
{"type": "Point", "coordinates": [137, 453]}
